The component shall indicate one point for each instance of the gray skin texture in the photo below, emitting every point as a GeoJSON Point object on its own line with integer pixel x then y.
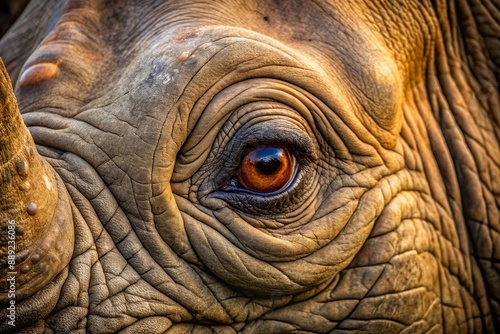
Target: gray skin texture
{"type": "Point", "coordinates": [132, 116]}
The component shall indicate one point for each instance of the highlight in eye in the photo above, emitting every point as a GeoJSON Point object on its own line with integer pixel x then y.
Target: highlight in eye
{"type": "Point", "coordinates": [266, 169]}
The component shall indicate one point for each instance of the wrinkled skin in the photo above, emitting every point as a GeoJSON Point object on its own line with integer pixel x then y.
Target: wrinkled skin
{"type": "Point", "coordinates": [9, 12]}
{"type": "Point", "coordinates": [136, 114]}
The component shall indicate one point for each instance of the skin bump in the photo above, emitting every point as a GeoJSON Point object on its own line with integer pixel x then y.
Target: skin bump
{"type": "Point", "coordinates": [24, 268]}
{"type": "Point", "coordinates": [45, 246]}
{"type": "Point", "coordinates": [32, 209]}
{"type": "Point", "coordinates": [23, 255]}
{"type": "Point", "coordinates": [19, 230]}
{"type": "Point", "coordinates": [35, 258]}
{"type": "Point", "coordinates": [24, 186]}
{"type": "Point", "coordinates": [47, 182]}
{"type": "Point", "coordinates": [38, 73]}
{"type": "Point", "coordinates": [22, 168]}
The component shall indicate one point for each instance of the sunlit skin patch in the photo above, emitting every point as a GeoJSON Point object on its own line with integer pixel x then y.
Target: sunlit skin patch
{"type": "Point", "coordinates": [266, 169]}
{"type": "Point", "coordinates": [38, 73]}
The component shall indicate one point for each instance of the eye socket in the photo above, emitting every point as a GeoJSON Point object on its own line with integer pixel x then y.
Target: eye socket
{"type": "Point", "coordinates": [266, 169]}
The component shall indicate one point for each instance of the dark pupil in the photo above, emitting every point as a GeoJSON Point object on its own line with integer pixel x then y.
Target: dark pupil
{"type": "Point", "coordinates": [268, 160]}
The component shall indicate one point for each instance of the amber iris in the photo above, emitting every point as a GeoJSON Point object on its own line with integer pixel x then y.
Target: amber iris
{"type": "Point", "coordinates": [266, 169]}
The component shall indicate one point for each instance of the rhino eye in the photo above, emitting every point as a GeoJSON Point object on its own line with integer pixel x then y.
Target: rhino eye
{"type": "Point", "coordinates": [266, 169]}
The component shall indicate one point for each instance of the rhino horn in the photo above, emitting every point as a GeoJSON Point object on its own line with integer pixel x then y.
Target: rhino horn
{"type": "Point", "coordinates": [36, 232]}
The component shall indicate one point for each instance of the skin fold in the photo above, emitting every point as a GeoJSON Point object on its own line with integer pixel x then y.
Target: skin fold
{"type": "Point", "coordinates": [124, 125]}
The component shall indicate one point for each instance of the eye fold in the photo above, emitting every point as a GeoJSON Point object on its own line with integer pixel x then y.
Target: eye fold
{"type": "Point", "coordinates": [266, 169]}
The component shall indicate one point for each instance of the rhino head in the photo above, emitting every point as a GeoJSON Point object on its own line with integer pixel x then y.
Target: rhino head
{"type": "Point", "coordinates": [250, 166]}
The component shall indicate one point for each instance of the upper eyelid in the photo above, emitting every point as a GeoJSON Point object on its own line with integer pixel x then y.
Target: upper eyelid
{"type": "Point", "coordinates": [293, 137]}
